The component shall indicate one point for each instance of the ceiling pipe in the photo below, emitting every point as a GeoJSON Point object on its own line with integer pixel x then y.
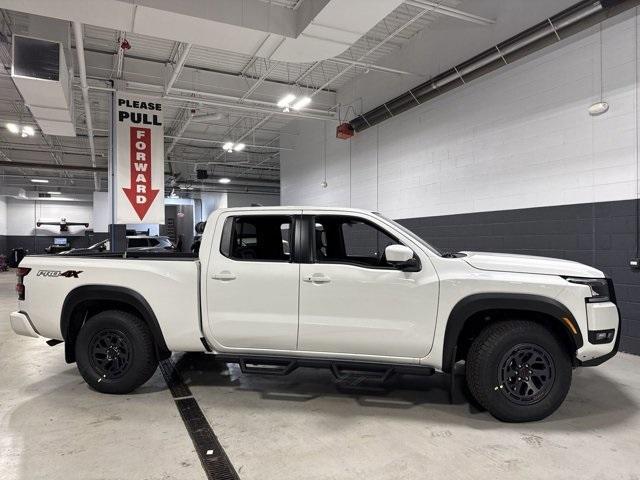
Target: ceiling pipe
{"type": "Point", "coordinates": [77, 31]}
{"type": "Point", "coordinates": [149, 88]}
{"type": "Point", "coordinates": [234, 181]}
{"type": "Point", "coordinates": [232, 104]}
{"type": "Point", "coordinates": [53, 166]}
{"type": "Point", "coordinates": [120, 55]}
{"type": "Point", "coordinates": [243, 99]}
{"type": "Point", "coordinates": [455, 76]}
{"type": "Point", "coordinates": [46, 166]}
{"type": "Point", "coordinates": [221, 142]}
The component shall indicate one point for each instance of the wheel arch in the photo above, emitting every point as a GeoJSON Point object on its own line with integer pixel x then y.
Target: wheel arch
{"type": "Point", "coordinates": [472, 313]}
{"type": "Point", "coordinates": [87, 300]}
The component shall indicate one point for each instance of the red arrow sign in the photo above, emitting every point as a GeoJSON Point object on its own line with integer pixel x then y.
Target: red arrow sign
{"type": "Point", "coordinates": [140, 193]}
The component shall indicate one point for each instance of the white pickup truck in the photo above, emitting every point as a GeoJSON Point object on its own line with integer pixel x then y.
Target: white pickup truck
{"type": "Point", "coordinates": [275, 288]}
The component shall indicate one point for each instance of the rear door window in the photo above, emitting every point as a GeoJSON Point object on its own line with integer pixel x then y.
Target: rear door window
{"type": "Point", "coordinates": [257, 238]}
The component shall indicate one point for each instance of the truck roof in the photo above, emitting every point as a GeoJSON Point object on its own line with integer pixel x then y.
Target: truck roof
{"type": "Point", "coordinates": [295, 207]}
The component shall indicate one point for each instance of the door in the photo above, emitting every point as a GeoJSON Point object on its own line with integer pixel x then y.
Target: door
{"type": "Point", "coordinates": [352, 301]}
{"type": "Point", "coordinates": [252, 282]}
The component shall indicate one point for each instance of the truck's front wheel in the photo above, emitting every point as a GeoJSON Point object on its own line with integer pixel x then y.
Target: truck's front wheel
{"type": "Point", "coordinates": [115, 352]}
{"type": "Point", "coordinates": [518, 370]}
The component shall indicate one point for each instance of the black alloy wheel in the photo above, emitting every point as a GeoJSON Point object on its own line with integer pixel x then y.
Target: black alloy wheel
{"type": "Point", "coordinates": [526, 374]}
{"type": "Point", "coordinates": [110, 353]}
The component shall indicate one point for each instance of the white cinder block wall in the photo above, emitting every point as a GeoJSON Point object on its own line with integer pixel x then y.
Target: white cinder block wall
{"type": "Point", "coordinates": [3, 216]}
{"type": "Point", "coordinates": [519, 137]}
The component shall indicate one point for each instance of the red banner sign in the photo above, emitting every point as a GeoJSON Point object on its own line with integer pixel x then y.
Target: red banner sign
{"type": "Point", "coordinates": [140, 193]}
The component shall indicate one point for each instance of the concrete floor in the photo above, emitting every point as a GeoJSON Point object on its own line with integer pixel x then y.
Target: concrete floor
{"type": "Point", "coordinates": [52, 426]}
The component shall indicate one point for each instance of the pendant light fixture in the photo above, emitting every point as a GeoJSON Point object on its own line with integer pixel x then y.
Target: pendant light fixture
{"type": "Point", "coordinates": [601, 106]}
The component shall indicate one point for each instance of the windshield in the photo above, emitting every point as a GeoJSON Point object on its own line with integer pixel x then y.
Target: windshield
{"type": "Point", "coordinates": [410, 234]}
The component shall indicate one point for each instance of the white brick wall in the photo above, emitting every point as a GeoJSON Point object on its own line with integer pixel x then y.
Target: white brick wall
{"type": "Point", "coordinates": [3, 216]}
{"type": "Point", "coordinates": [519, 137]}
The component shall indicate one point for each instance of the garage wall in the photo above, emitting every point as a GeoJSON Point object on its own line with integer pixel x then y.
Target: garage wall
{"type": "Point", "coordinates": [23, 214]}
{"type": "Point", "coordinates": [247, 199]}
{"type": "Point", "coordinates": [518, 138]}
{"type": "Point", "coordinates": [510, 162]}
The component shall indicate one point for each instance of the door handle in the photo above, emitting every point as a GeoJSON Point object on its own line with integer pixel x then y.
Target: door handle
{"type": "Point", "coordinates": [223, 276]}
{"type": "Point", "coordinates": [316, 278]}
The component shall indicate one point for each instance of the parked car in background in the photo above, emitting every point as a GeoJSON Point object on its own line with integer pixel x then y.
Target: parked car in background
{"type": "Point", "coordinates": [141, 243]}
{"type": "Point", "coordinates": [135, 243]}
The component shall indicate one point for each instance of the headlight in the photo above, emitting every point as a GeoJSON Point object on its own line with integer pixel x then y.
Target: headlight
{"type": "Point", "coordinates": [599, 288]}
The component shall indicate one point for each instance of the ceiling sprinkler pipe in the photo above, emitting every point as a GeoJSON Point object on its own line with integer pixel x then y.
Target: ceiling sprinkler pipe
{"type": "Point", "coordinates": [412, 98]}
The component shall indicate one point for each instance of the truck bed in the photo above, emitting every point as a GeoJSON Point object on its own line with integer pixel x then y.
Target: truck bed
{"type": "Point", "coordinates": [169, 283]}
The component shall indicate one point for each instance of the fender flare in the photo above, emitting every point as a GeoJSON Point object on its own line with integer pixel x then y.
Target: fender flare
{"type": "Point", "coordinates": [107, 293]}
{"type": "Point", "coordinates": [473, 304]}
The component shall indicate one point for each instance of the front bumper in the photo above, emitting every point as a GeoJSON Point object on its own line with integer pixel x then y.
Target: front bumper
{"type": "Point", "coordinates": [600, 317]}
{"type": "Point", "coordinates": [21, 324]}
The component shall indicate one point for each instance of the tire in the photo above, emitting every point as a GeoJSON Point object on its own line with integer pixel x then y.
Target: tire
{"type": "Point", "coordinates": [115, 352]}
{"type": "Point", "coordinates": [502, 380]}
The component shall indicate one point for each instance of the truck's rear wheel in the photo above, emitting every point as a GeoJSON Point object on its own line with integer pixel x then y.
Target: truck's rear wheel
{"type": "Point", "coordinates": [115, 352]}
{"type": "Point", "coordinates": [518, 370]}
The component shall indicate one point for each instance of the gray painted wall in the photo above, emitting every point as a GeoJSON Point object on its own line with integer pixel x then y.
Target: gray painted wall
{"type": "Point", "coordinates": [599, 234]}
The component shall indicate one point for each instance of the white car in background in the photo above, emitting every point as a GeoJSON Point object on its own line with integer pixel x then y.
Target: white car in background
{"type": "Point", "coordinates": [276, 288]}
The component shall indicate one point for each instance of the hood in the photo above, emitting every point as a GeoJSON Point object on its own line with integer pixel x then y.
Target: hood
{"type": "Point", "coordinates": [504, 262]}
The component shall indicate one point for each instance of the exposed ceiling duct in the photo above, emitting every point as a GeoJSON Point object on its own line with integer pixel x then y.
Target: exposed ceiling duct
{"type": "Point", "coordinates": [40, 70]}
{"type": "Point", "coordinates": [567, 22]}
{"type": "Point", "coordinates": [317, 30]}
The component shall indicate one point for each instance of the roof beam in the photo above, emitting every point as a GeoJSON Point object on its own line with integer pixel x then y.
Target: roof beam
{"type": "Point", "coordinates": [177, 69]}
{"type": "Point", "coordinates": [376, 68]}
{"type": "Point", "coordinates": [437, 7]}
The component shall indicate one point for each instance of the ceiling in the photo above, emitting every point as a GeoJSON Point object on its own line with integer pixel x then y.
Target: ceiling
{"type": "Point", "coordinates": [236, 92]}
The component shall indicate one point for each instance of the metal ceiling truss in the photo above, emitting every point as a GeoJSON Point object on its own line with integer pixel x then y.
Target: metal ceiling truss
{"type": "Point", "coordinates": [252, 116]}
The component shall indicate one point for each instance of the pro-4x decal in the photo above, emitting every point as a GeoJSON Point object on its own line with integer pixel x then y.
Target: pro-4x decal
{"type": "Point", "coordinates": [58, 273]}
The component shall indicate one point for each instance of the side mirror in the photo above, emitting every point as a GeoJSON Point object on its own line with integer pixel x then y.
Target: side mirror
{"type": "Point", "coordinates": [401, 257]}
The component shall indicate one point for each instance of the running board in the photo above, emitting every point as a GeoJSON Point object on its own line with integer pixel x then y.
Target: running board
{"type": "Point", "coordinates": [342, 369]}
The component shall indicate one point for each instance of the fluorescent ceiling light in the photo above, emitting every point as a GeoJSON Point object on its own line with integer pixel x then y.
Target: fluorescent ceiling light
{"type": "Point", "coordinates": [54, 193]}
{"type": "Point", "coordinates": [239, 147]}
{"type": "Point", "coordinates": [13, 128]}
{"type": "Point", "coordinates": [224, 180]}
{"type": "Point", "coordinates": [228, 146]}
{"type": "Point", "coordinates": [39, 180]}
{"type": "Point", "coordinates": [301, 103]}
{"type": "Point", "coordinates": [286, 100]}
{"type": "Point", "coordinates": [28, 130]}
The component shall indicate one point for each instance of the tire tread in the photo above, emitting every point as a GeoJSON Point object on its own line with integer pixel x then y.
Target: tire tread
{"type": "Point", "coordinates": [485, 345]}
{"type": "Point", "coordinates": [145, 357]}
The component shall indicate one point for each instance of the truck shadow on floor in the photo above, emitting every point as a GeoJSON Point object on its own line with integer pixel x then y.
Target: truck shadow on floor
{"type": "Point", "coordinates": [594, 400]}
